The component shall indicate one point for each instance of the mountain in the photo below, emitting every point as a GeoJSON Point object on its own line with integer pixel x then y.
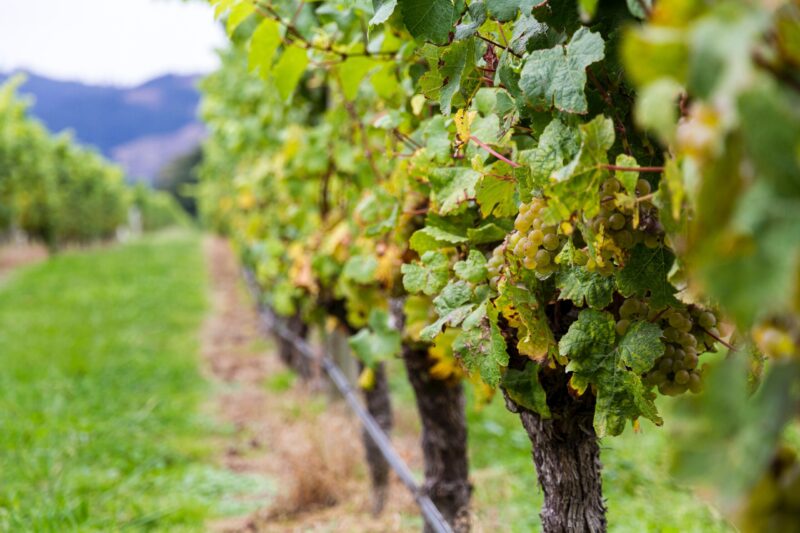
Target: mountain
{"type": "Point", "coordinates": [142, 128]}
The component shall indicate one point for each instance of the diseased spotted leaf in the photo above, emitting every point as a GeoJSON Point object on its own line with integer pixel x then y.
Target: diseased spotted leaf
{"type": "Point", "coordinates": [428, 19]}
{"type": "Point", "coordinates": [429, 276]}
{"type": "Point", "coordinates": [524, 388]}
{"type": "Point", "coordinates": [645, 274]}
{"type": "Point", "coordinates": [557, 76]}
{"type": "Point", "coordinates": [584, 287]}
{"type": "Point", "coordinates": [613, 368]}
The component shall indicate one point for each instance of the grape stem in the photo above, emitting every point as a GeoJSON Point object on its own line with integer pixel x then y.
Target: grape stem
{"type": "Point", "coordinates": [718, 339]}
{"type": "Point", "coordinates": [492, 151]}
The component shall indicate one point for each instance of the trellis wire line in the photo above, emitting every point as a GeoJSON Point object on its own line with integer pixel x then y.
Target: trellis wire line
{"type": "Point", "coordinates": [270, 321]}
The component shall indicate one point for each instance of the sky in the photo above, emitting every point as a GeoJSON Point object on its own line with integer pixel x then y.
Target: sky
{"type": "Point", "coordinates": [117, 42]}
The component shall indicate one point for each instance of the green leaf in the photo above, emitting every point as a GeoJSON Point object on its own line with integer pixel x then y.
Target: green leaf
{"type": "Point", "coordinates": [448, 66]}
{"type": "Point", "coordinates": [263, 45]}
{"type": "Point", "coordinates": [361, 268]}
{"type": "Point", "coordinates": [429, 277]}
{"type": "Point", "coordinates": [496, 196]}
{"type": "Point", "coordinates": [289, 70]}
{"type": "Point", "coordinates": [452, 187]}
{"type": "Point", "coordinates": [505, 10]}
{"type": "Point", "coordinates": [379, 341]}
{"type": "Point", "coordinates": [428, 19]}
{"type": "Point", "coordinates": [237, 15]}
{"type": "Point", "coordinates": [584, 287]}
{"type": "Point", "coordinates": [645, 274]}
{"type": "Point", "coordinates": [473, 269]}
{"type": "Point", "coordinates": [524, 388]}
{"type": "Point", "coordinates": [352, 72]}
{"type": "Point", "coordinates": [383, 10]}
{"type": "Point", "coordinates": [557, 76]}
{"type": "Point", "coordinates": [527, 29]}
{"type": "Point", "coordinates": [522, 310]}
{"type": "Point", "coordinates": [614, 370]}
{"type": "Point", "coordinates": [434, 238]}
{"type": "Point", "coordinates": [558, 144]}
{"type": "Point", "coordinates": [483, 348]}
{"type": "Point", "coordinates": [453, 306]}
{"type": "Point", "coordinates": [477, 11]}
{"type": "Point", "coordinates": [487, 233]}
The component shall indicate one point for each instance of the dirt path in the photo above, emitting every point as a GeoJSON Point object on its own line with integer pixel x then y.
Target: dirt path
{"type": "Point", "coordinates": [308, 444]}
{"type": "Point", "coordinates": [15, 255]}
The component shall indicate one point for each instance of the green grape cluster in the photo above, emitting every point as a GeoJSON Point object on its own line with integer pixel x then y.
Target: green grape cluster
{"type": "Point", "coordinates": [495, 265]}
{"type": "Point", "coordinates": [616, 224]}
{"type": "Point", "coordinates": [535, 243]}
{"type": "Point", "coordinates": [686, 338]}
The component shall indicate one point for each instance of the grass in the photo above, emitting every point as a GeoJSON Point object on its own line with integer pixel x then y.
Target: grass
{"type": "Point", "coordinates": [100, 426]}
{"type": "Point", "coordinates": [640, 494]}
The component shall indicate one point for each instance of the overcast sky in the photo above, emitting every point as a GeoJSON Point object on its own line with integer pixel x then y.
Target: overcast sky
{"type": "Point", "coordinates": [121, 42]}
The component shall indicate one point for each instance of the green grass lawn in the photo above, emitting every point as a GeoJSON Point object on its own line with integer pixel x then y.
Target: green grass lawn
{"type": "Point", "coordinates": [100, 392]}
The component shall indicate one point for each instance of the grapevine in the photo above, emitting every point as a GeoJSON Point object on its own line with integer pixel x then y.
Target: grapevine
{"type": "Point", "coordinates": [489, 180]}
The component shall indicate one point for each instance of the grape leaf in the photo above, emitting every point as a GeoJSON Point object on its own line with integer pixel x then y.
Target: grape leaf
{"type": "Point", "coordinates": [289, 70]}
{"type": "Point", "coordinates": [428, 277]}
{"type": "Point", "coordinates": [645, 273]}
{"type": "Point", "coordinates": [614, 370]}
{"type": "Point", "coordinates": [352, 72]}
{"type": "Point", "coordinates": [584, 287]}
{"type": "Point", "coordinates": [360, 268]}
{"type": "Point", "coordinates": [383, 10]}
{"type": "Point", "coordinates": [473, 269]}
{"type": "Point", "coordinates": [428, 19]}
{"type": "Point", "coordinates": [453, 306]}
{"type": "Point", "coordinates": [448, 66]}
{"type": "Point", "coordinates": [452, 187]}
{"type": "Point", "coordinates": [522, 310]}
{"type": "Point", "coordinates": [263, 45]}
{"type": "Point", "coordinates": [557, 76]}
{"type": "Point", "coordinates": [524, 388]}
{"type": "Point", "coordinates": [527, 28]}
{"type": "Point", "coordinates": [477, 11]}
{"type": "Point", "coordinates": [483, 348]}
{"type": "Point", "coordinates": [378, 342]}
{"type": "Point", "coordinates": [496, 195]}
{"type": "Point", "coordinates": [434, 238]}
{"type": "Point", "coordinates": [237, 15]}
{"type": "Point", "coordinates": [505, 10]}
{"type": "Point", "coordinates": [558, 144]}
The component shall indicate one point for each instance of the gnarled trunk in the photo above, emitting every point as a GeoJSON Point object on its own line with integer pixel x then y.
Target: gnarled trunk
{"type": "Point", "coordinates": [288, 353]}
{"type": "Point", "coordinates": [567, 459]}
{"type": "Point", "coordinates": [444, 439]}
{"type": "Point", "coordinates": [379, 405]}
{"type": "Point", "coordinates": [444, 433]}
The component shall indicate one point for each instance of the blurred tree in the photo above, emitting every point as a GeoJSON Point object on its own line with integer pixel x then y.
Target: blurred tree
{"type": "Point", "coordinates": [179, 178]}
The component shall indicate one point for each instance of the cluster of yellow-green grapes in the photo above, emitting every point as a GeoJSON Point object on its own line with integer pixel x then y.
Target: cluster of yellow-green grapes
{"type": "Point", "coordinates": [615, 226]}
{"type": "Point", "coordinates": [533, 242]}
{"type": "Point", "coordinates": [495, 265]}
{"type": "Point", "coordinates": [688, 333]}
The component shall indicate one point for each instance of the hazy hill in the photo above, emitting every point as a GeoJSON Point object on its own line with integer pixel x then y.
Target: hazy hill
{"type": "Point", "coordinates": [142, 127]}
